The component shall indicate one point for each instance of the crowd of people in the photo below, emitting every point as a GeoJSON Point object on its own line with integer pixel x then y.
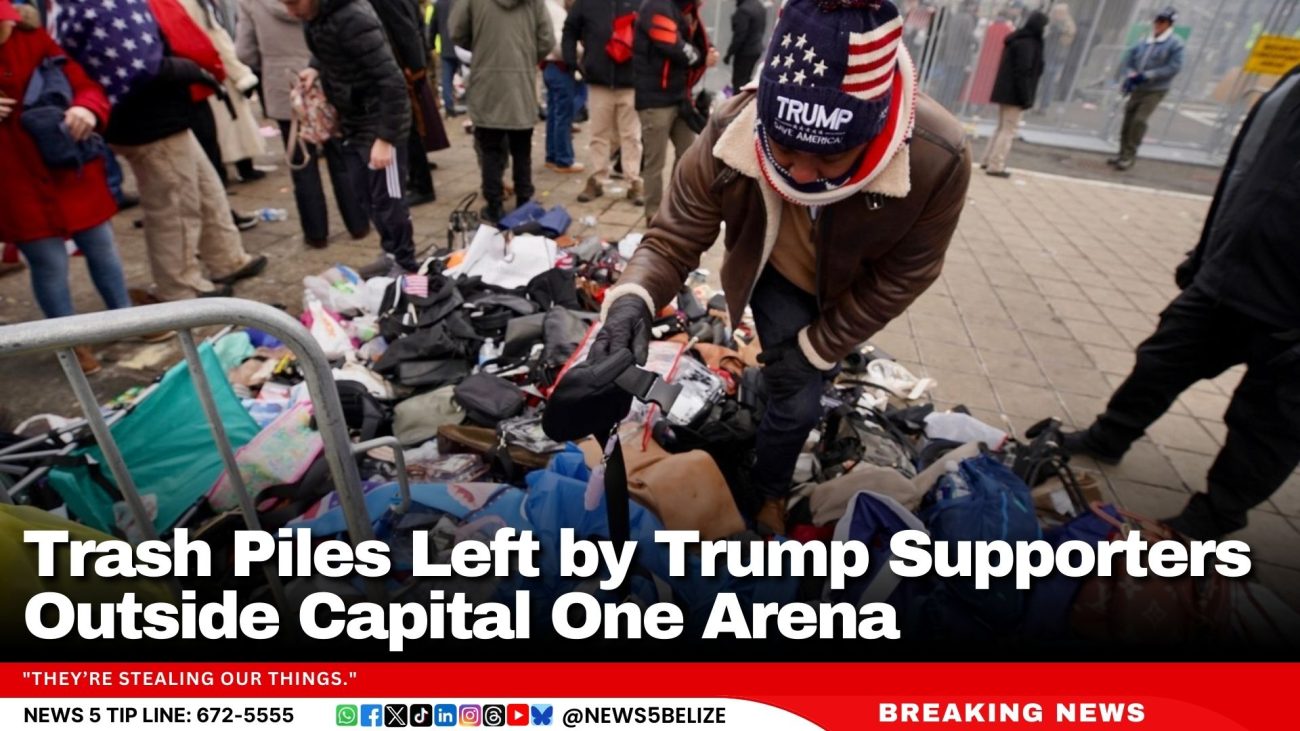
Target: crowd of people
{"type": "Point", "coordinates": [176, 89]}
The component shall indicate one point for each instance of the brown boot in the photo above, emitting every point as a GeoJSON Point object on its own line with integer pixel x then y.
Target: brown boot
{"type": "Point", "coordinates": [636, 193]}
{"type": "Point", "coordinates": [591, 192]}
{"type": "Point", "coordinates": [87, 360]}
{"type": "Point", "coordinates": [772, 516]}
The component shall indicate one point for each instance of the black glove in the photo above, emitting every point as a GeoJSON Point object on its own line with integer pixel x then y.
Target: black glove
{"type": "Point", "coordinates": [786, 369]}
{"type": "Point", "coordinates": [1185, 273]}
{"type": "Point", "coordinates": [210, 81]}
{"type": "Point", "coordinates": [627, 328]}
{"type": "Point", "coordinates": [727, 59]}
{"type": "Point", "coordinates": [588, 401]}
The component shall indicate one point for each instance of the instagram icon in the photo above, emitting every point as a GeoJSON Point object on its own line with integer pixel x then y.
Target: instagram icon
{"type": "Point", "coordinates": [471, 715]}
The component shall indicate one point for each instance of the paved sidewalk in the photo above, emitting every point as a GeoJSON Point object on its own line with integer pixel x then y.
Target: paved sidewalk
{"type": "Point", "coordinates": [1049, 286]}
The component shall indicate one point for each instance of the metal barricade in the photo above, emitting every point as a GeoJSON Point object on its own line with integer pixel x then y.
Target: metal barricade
{"type": "Point", "coordinates": [62, 334]}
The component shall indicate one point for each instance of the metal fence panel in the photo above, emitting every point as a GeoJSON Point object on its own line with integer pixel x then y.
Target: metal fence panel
{"type": "Point", "coordinates": [958, 46]}
{"type": "Point", "coordinates": [61, 334]}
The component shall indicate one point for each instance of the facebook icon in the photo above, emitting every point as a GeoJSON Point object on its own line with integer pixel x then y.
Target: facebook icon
{"type": "Point", "coordinates": [445, 714]}
{"type": "Point", "coordinates": [372, 716]}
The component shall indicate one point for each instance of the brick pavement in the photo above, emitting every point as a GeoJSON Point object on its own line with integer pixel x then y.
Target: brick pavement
{"type": "Point", "coordinates": [1049, 286]}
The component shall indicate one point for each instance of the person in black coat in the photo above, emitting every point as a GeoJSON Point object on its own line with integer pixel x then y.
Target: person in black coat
{"type": "Point", "coordinates": [670, 55]}
{"type": "Point", "coordinates": [612, 101]}
{"type": "Point", "coordinates": [748, 28]}
{"type": "Point", "coordinates": [1014, 89]}
{"type": "Point", "coordinates": [404, 25]}
{"type": "Point", "coordinates": [359, 72]}
{"type": "Point", "coordinates": [1240, 304]}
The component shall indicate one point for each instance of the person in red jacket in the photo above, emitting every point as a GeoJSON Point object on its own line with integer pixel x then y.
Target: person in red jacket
{"type": "Point", "coordinates": [40, 207]}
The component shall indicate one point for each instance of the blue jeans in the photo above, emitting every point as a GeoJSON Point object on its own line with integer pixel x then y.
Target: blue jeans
{"type": "Point", "coordinates": [559, 115]}
{"type": "Point", "coordinates": [449, 68]}
{"type": "Point", "coordinates": [579, 97]}
{"type": "Point", "coordinates": [781, 310]}
{"type": "Point", "coordinates": [48, 261]}
{"type": "Point", "coordinates": [113, 171]}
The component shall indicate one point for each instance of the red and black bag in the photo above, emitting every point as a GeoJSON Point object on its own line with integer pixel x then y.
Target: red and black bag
{"type": "Point", "coordinates": [619, 45]}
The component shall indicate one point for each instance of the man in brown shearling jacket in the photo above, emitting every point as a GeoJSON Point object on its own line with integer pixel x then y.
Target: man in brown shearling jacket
{"type": "Point", "coordinates": [840, 187]}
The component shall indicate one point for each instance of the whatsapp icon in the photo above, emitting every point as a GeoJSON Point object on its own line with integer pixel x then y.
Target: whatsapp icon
{"type": "Point", "coordinates": [345, 715]}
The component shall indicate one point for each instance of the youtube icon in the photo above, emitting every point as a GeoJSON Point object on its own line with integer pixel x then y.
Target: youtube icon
{"type": "Point", "coordinates": [517, 714]}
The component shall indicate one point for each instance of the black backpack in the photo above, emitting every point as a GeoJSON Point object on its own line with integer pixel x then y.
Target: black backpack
{"type": "Point", "coordinates": [365, 415]}
{"type": "Point", "coordinates": [727, 435]}
{"type": "Point", "coordinates": [1044, 458]}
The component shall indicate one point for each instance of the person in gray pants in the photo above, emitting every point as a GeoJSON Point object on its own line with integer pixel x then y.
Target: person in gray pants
{"type": "Point", "coordinates": [1150, 68]}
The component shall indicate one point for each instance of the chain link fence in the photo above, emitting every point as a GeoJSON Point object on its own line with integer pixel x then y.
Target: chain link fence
{"type": "Point", "coordinates": [958, 43]}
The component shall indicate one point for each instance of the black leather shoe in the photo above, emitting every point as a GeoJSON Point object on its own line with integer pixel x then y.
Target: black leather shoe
{"type": "Point", "coordinates": [491, 214]}
{"type": "Point", "coordinates": [1076, 442]}
{"type": "Point", "coordinates": [242, 222]}
{"type": "Point", "coordinates": [414, 199]}
{"type": "Point", "coordinates": [253, 268]}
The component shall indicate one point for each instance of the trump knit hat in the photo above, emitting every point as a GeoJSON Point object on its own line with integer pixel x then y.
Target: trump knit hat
{"type": "Point", "coordinates": [827, 83]}
{"type": "Point", "coordinates": [836, 77]}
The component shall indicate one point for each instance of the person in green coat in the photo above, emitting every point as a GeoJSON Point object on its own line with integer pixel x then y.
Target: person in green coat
{"type": "Point", "coordinates": [507, 40]}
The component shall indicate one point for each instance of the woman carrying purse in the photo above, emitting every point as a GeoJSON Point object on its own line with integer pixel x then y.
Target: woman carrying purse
{"type": "Point", "coordinates": [40, 206]}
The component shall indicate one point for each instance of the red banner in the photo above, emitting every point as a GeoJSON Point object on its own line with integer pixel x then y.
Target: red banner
{"type": "Point", "coordinates": [1184, 697]}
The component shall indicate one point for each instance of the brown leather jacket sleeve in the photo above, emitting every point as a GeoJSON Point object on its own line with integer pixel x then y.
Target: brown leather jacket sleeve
{"type": "Point", "coordinates": [686, 226]}
{"type": "Point", "coordinates": [887, 287]}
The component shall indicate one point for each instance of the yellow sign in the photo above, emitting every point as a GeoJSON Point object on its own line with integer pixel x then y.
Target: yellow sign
{"type": "Point", "coordinates": [1274, 55]}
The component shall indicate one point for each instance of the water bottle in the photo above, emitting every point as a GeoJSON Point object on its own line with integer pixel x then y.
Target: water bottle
{"type": "Point", "coordinates": [273, 214]}
{"type": "Point", "coordinates": [585, 224]}
{"type": "Point", "coordinates": [489, 352]}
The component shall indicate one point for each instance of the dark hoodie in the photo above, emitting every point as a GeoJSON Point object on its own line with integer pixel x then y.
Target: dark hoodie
{"type": "Point", "coordinates": [664, 70]}
{"type": "Point", "coordinates": [590, 23]}
{"type": "Point", "coordinates": [1022, 64]}
{"type": "Point", "coordinates": [359, 72]}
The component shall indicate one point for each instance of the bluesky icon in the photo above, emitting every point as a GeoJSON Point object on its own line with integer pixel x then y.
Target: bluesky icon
{"type": "Point", "coordinates": [543, 714]}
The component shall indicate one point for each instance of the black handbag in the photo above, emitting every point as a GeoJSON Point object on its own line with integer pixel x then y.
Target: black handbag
{"type": "Point", "coordinates": [441, 341]}
{"type": "Point", "coordinates": [462, 223]}
{"type": "Point", "coordinates": [562, 333]}
{"type": "Point", "coordinates": [488, 399]}
{"type": "Point", "coordinates": [522, 333]}
{"type": "Point", "coordinates": [430, 374]}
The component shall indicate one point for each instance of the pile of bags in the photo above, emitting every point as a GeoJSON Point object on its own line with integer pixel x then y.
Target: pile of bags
{"type": "Point", "coordinates": [457, 362]}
